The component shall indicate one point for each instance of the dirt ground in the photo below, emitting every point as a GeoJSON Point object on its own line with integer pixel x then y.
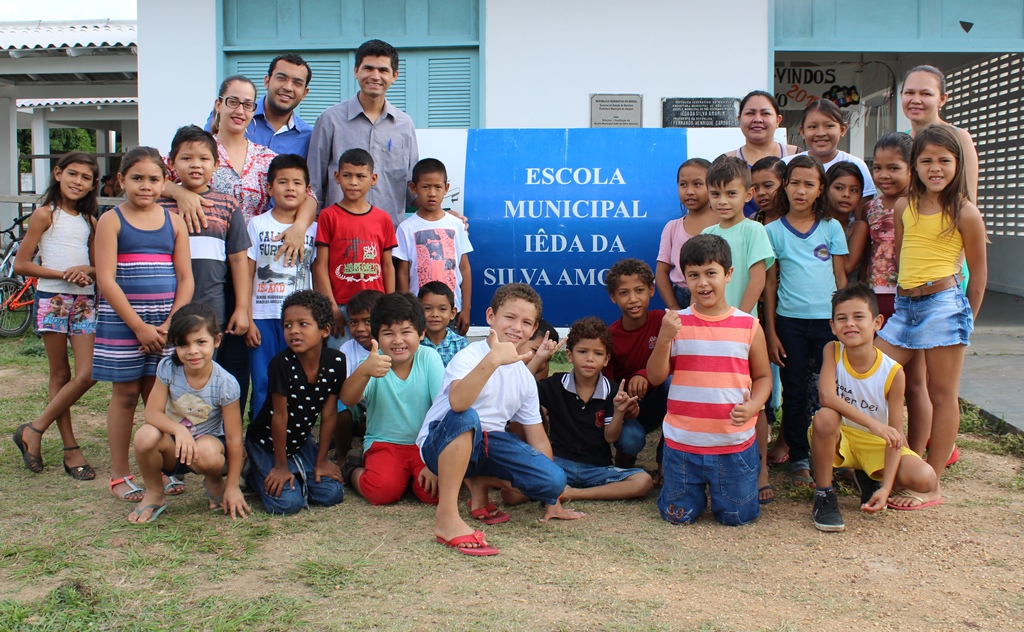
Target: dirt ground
{"type": "Point", "coordinates": [953, 567]}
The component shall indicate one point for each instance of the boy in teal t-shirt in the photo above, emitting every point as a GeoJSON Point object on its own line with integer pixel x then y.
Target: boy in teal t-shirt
{"type": "Point", "coordinates": [399, 380]}
{"type": "Point", "coordinates": [729, 189]}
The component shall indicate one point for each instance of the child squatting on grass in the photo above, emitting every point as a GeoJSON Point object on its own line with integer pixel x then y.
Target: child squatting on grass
{"type": "Point", "coordinates": [860, 423]}
{"type": "Point", "coordinates": [193, 419]}
{"type": "Point", "coordinates": [463, 436]}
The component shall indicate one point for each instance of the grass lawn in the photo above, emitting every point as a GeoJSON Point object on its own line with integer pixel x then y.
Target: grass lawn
{"type": "Point", "coordinates": [70, 561]}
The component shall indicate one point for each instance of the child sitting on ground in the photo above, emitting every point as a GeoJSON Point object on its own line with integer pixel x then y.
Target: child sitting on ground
{"type": "Point", "coordinates": [585, 418]}
{"type": "Point", "coordinates": [352, 419]}
{"type": "Point", "coordinates": [631, 286]}
{"type": "Point", "coordinates": [463, 435]}
{"type": "Point", "coordinates": [288, 468]}
{"type": "Point", "coordinates": [193, 419]}
{"type": "Point", "coordinates": [399, 380]}
{"type": "Point", "coordinates": [438, 303]}
{"type": "Point", "coordinates": [718, 361]}
{"type": "Point", "coordinates": [860, 422]}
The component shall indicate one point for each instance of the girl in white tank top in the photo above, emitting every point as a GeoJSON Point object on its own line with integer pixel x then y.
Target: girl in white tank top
{"type": "Point", "coordinates": [61, 228]}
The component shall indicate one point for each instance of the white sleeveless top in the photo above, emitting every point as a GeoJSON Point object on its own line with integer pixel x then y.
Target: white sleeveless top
{"type": "Point", "coordinates": [65, 245]}
{"type": "Point", "coordinates": [867, 392]}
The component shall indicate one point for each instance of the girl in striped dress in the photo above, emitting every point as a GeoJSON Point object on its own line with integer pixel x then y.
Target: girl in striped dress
{"type": "Point", "coordinates": [144, 274]}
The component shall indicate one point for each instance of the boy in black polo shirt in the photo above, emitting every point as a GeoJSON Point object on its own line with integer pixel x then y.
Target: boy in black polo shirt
{"type": "Point", "coordinates": [586, 418]}
{"type": "Point", "coordinates": [287, 467]}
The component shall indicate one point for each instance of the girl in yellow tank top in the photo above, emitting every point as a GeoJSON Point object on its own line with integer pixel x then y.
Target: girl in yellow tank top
{"type": "Point", "coordinates": [932, 313]}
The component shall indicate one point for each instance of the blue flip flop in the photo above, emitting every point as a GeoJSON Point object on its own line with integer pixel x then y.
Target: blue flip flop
{"type": "Point", "coordinates": [158, 509]}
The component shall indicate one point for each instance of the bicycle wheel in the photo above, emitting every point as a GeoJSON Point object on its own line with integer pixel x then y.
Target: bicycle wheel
{"type": "Point", "coordinates": [17, 321]}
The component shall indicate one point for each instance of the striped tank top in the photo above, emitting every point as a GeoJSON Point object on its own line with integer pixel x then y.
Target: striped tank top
{"type": "Point", "coordinates": [868, 392]}
{"type": "Point", "coordinates": [710, 364]}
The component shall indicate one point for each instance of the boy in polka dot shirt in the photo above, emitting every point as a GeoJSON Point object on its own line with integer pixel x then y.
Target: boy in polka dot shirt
{"type": "Point", "coordinates": [288, 468]}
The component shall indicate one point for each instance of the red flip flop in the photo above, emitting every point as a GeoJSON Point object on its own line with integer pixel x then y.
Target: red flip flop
{"type": "Point", "coordinates": [476, 537]}
{"type": "Point", "coordinates": [489, 514]}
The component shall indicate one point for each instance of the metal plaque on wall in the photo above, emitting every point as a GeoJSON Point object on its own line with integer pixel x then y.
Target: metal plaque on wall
{"type": "Point", "coordinates": [700, 112]}
{"type": "Point", "coordinates": [616, 110]}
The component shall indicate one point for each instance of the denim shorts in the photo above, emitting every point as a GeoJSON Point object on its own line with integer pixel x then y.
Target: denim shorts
{"type": "Point", "coordinates": [942, 319]}
{"type": "Point", "coordinates": [583, 475]}
{"type": "Point", "coordinates": [731, 480]}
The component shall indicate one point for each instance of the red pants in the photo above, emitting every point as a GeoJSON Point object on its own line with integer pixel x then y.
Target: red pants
{"type": "Point", "coordinates": [389, 468]}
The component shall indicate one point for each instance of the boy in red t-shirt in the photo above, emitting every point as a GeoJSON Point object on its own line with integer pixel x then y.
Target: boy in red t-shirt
{"type": "Point", "coordinates": [353, 241]}
{"type": "Point", "coordinates": [631, 285]}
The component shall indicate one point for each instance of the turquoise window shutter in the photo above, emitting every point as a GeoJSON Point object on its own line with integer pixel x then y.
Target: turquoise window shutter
{"type": "Point", "coordinates": [326, 89]}
{"type": "Point", "coordinates": [449, 92]}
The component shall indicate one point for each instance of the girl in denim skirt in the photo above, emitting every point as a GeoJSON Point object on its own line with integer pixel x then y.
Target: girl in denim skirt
{"type": "Point", "coordinates": [934, 226]}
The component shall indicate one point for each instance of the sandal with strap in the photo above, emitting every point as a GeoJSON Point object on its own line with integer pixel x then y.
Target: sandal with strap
{"type": "Point", "coordinates": [79, 472]}
{"type": "Point", "coordinates": [174, 487]}
{"type": "Point", "coordinates": [34, 462]}
{"type": "Point", "coordinates": [134, 489]}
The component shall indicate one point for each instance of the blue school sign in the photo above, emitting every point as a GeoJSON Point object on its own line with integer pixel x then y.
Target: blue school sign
{"type": "Point", "coordinates": [555, 208]}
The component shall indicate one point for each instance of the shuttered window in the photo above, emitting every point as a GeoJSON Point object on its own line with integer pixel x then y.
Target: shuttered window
{"type": "Point", "coordinates": [986, 102]}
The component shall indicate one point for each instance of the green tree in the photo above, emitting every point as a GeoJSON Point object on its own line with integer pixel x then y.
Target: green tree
{"type": "Point", "coordinates": [62, 140]}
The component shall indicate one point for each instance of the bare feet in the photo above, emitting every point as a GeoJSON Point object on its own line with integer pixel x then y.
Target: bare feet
{"type": "Point", "coordinates": [558, 512]}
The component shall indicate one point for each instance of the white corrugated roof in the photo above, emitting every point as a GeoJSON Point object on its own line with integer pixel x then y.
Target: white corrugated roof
{"type": "Point", "coordinates": [45, 103]}
{"type": "Point", "coordinates": [69, 34]}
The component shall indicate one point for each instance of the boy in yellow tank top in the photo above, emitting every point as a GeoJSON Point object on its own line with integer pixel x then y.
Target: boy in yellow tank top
{"type": "Point", "coordinates": [860, 423]}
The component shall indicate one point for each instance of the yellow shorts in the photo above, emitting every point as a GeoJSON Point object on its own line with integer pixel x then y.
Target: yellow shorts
{"type": "Point", "coordinates": [861, 450]}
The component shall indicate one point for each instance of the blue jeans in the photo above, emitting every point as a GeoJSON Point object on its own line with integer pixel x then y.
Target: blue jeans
{"type": "Point", "coordinates": [271, 343]}
{"type": "Point", "coordinates": [653, 407]}
{"type": "Point", "coordinates": [682, 294]}
{"type": "Point", "coordinates": [307, 491]}
{"type": "Point", "coordinates": [502, 455]}
{"type": "Point", "coordinates": [804, 340]}
{"type": "Point", "coordinates": [731, 480]}
{"type": "Point", "coordinates": [583, 475]}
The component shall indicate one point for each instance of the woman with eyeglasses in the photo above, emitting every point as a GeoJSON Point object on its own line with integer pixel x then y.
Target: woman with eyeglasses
{"type": "Point", "coordinates": [241, 167]}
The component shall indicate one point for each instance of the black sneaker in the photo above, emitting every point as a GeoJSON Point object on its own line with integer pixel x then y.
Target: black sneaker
{"type": "Point", "coordinates": [868, 486]}
{"type": "Point", "coordinates": [826, 514]}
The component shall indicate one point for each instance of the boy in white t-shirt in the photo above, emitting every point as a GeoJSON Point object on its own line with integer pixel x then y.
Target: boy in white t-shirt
{"type": "Point", "coordinates": [485, 386]}
{"type": "Point", "coordinates": [288, 184]}
{"type": "Point", "coordinates": [433, 245]}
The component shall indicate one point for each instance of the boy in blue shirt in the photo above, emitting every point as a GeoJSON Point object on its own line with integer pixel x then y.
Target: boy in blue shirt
{"type": "Point", "coordinates": [438, 303]}
{"type": "Point", "coordinates": [399, 379]}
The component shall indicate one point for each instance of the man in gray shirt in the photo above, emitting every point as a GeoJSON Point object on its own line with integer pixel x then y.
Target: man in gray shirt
{"type": "Point", "coordinates": [367, 121]}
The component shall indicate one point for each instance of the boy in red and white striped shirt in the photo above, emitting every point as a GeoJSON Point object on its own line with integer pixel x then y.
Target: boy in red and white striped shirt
{"type": "Point", "coordinates": [718, 361]}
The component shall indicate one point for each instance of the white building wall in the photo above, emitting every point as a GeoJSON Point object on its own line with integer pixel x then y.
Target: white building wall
{"type": "Point", "coordinates": [177, 68]}
{"type": "Point", "coordinates": [544, 58]}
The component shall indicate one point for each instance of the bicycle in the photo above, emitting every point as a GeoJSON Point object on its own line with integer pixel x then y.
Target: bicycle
{"type": "Point", "coordinates": [17, 293]}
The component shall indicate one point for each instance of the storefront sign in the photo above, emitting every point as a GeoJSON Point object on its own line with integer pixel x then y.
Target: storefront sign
{"type": "Point", "coordinates": [555, 208]}
{"type": "Point", "coordinates": [710, 112]}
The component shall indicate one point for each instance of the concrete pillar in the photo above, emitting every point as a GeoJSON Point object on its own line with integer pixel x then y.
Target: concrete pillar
{"type": "Point", "coordinates": [102, 147]}
{"type": "Point", "coordinates": [8, 158]}
{"type": "Point", "coordinates": [130, 135]}
{"type": "Point", "coordinates": [40, 145]}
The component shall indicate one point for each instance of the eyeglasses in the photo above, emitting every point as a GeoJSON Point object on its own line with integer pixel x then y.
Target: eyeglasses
{"type": "Point", "coordinates": [233, 102]}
